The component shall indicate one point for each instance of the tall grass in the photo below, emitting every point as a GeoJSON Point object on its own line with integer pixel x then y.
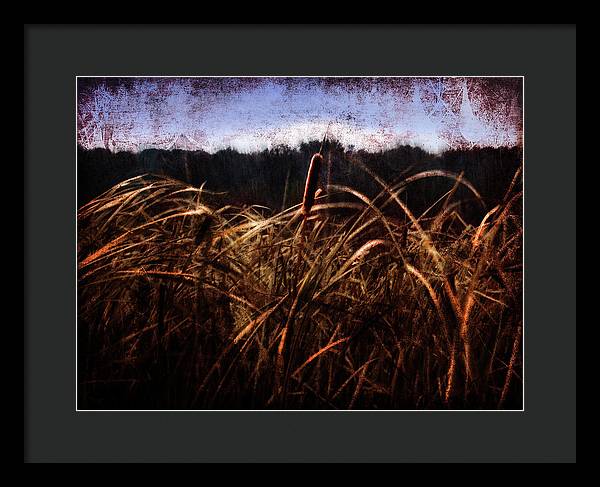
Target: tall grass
{"type": "Point", "coordinates": [336, 303]}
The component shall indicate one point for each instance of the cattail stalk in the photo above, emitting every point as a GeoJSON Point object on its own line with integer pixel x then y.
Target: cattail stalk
{"type": "Point", "coordinates": [285, 189]}
{"type": "Point", "coordinates": [329, 169]}
{"type": "Point", "coordinates": [312, 181]}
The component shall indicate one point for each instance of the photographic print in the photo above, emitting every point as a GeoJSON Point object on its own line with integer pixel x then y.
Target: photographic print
{"type": "Point", "coordinates": [299, 243]}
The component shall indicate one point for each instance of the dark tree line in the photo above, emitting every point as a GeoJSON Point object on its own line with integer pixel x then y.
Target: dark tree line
{"type": "Point", "coordinates": [275, 177]}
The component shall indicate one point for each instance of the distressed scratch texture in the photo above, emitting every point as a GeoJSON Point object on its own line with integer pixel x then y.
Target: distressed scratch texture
{"type": "Point", "coordinates": [250, 114]}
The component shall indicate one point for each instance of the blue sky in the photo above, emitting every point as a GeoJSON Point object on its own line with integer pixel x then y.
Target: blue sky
{"type": "Point", "coordinates": [251, 114]}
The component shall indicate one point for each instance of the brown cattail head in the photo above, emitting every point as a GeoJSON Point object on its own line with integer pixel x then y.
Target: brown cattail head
{"type": "Point", "coordinates": [312, 181]}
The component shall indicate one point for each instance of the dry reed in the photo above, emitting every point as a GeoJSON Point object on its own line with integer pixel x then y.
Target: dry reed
{"type": "Point", "coordinates": [184, 305]}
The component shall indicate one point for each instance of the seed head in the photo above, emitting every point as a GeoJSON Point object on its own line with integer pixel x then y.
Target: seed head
{"type": "Point", "coordinates": [312, 181]}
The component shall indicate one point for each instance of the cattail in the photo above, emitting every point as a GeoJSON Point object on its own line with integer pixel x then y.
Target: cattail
{"type": "Point", "coordinates": [312, 180]}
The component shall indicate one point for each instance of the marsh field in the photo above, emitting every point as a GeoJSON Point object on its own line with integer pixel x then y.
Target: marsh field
{"type": "Point", "coordinates": [311, 278]}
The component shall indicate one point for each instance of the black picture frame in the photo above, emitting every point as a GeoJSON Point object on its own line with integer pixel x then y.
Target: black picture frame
{"type": "Point", "coordinates": [55, 432]}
